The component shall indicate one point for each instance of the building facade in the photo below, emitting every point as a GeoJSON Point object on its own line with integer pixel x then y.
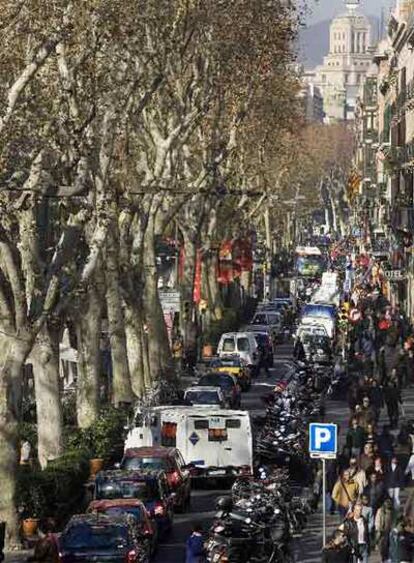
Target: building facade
{"type": "Point", "coordinates": [344, 67]}
{"type": "Point", "coordinates": [384, 153]}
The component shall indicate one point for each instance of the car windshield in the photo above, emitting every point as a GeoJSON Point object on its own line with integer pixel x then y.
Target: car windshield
{"type": "Point", "coordinates": [144, 463]}
{"type": "Point", "coordinates": [202, 397]}
{"type": "Point", "coordinates": [216, 380]}
{"type": "Point", "coordinates": [125, 489]}
{"type": "Point", "coordinates": [229, 345]}
{"type": "Point", "coordinates": [85, 537]}
{"type": "Point", "coordinates": [134, 511]}
{"type": "Point", "coordinates": [315, 340]}
{"type": "Point", "coordinates": [260, 319]}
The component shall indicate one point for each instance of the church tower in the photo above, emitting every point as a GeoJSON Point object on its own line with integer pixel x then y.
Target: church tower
{"type": "Point", "coordinates": [344, 67]}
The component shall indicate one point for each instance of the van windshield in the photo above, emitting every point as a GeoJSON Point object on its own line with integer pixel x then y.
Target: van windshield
{"type": "Point", "coordinates": [243, 344]}
{"type": "Point", "coordinates": [229, 345]}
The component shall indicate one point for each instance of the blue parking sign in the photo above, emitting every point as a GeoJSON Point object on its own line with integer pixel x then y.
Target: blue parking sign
{"type": "Point", "coordinates": [323, 440]}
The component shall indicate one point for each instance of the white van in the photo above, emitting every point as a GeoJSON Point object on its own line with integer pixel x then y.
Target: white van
{"type": "Point", "coordinates": [214, 443]}
{"type": "Point", "coordinates": [241, 344]}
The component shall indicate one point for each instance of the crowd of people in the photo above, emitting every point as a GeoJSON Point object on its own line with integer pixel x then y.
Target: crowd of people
{"type": "Point", "coordinates": [376, 463]}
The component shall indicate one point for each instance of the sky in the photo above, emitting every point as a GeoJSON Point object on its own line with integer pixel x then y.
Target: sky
{"type": "Point", "coordinates": [327, 9]}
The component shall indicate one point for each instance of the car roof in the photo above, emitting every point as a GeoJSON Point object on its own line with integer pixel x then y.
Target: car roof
{"type": "Point", "coordinates": [150, 451]}
{"type": "Point", "coordinates": [220, 374]}
{"type": "Point", "coordinates": [122, 502]}
{"type": "Point", "coordinates": [129, 475]}
{"type": "Point", "coordinates": [97, 519]}
{"type": "Point", "coordinates": [201, 388]}
{"type": "Point", "coordinates": [233, 334]}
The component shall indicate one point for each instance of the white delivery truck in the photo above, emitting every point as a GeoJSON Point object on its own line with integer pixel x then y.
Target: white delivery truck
{"type": "Point", "coordinates": [214, 443]}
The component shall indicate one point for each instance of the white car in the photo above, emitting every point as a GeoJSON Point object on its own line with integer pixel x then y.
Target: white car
{"type": "Point", "coordinates": [204, 396]}
{"type": "Point", "coordinates": [242, 344]}
{"type": "Point", "coordinates": [313, 329]}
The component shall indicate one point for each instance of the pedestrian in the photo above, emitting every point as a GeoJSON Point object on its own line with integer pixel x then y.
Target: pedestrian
{"type": "Point", "coordinates": [409, 470]}
{"type": "Point", "coordinates": [368, 514]}
{"type": "Point", "coordinates": [355, 528]}
{"type": "Point", "coordinates": [345, 493]}
{"type": "Point", "coordinates": [375, 491]}
{"type": "Point", "coordinates": [368, 416]}
{"type": "Point", "coordinates": [366, 459]}
{"type": "Point", "coordinates": [376, 398]}
{"type": "Point", "coordinates": [379, 469]}
{"type": "Point", "coordinates": [357, 474]}
{"type": "Point", "coordinates": [355, 438]}
{"type": "Point", "coordinates": [46, 549]}
{"type": "Point", "coordinates": [402, 542]}
{"type": "Point", "coordinates": [384, 521]}
{"type": "Point", "coordinates": [386, 442]}
{"type": "Point", "coordinates": [394, 481]}
{"type": "Point", "coordinates": [337, 550]}
{"type": "Point", "coordinates": [195, 551]}
{"type": "Point", "coordinates": [392, 397]}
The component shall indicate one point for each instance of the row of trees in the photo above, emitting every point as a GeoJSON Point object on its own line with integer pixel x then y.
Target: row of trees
{"type": "Point", "coordinates": [121, 122]}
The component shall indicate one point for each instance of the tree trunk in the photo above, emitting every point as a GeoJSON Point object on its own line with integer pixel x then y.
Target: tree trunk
{"type": "Point", "coordinates": [89, 358]}
{"type": "Point", "coordinates": [216, 305]}
{"type": "Point", "coordinates": [121, 381]}
{"type": "Point", "coordinates": [45, 360]}
{"type": "Point", "coordinates": [13, 356]}
{"type": "Point", "coordinates": [158, 344]}
{"type": "Point", "coordinates": [135, 351]}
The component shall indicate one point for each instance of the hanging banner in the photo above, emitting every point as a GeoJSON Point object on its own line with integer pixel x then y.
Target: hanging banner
{"type": "Point", "coordinates": [197, 278]}
{"type": "Point", "coordinates": [226, 275]}
{"type": "Point", "coordinates": [242, 254]}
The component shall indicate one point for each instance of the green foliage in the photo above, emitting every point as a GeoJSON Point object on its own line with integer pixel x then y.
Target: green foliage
{"type": "Point", "coordinates": [56, 491]}
{"type": "Point", "coordinates": [103, 437]}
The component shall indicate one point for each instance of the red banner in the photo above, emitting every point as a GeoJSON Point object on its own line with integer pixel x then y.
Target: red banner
{"type": "Point", "coordinates": [197, 278]}
{"type": "Point", "coordinates": [225, 274]}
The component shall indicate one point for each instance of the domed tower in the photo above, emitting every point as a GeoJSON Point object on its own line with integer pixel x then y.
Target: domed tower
{"type": "Point", "coordinates": [346, 64]}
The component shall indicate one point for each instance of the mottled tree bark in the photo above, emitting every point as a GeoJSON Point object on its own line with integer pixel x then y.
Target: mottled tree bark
{"type": "Point", "coordinates": [13, 354]}
{"type": "Point", "coordinates": [45, 361]}
{"type": "Point", "coordinates": [121, 381]}
{"type": "Point", "coordinates": [159, 352]}
{"type": "Point", "coordinates": [88, 329]}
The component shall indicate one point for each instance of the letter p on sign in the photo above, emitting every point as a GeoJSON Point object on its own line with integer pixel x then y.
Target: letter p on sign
{"type": "Point", "coordinates": [322, 436]}
{"type": "Point", "coordinates": [322, 440]}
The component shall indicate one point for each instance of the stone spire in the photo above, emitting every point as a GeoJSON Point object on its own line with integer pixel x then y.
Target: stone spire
{"type": "Point", "coordinates": [352, 5]}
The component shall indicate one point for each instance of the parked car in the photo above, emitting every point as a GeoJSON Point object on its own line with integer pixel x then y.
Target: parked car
{"type": "Point", "coordinates": [227, 383]}
{"type": "Point", "coordinates": [313, 329]}
{"type": "Point", "coordinates": [265, 344]}
{"type": "Point", "coordinates": [270, 319]}
{"type": "Point", "coordinates": [169, 460]}
{"type": "Point", "coordinates": [97, 537]}
{"type": "Point", "coordinates": [235, 366]}
{"type": "Point", "coordinates": [145, 527]}
{"type": "Point", "coordinates": [242, 344]}
{"type": "Point", "coordinates": [318, 349]}
{"type": "Point", "coordinates": [205, 397]}
{"type": "Point", "coordinates": [151, 487]}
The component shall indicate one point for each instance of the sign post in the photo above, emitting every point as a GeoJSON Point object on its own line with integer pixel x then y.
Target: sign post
{"type": "Point", "coordinates": [323, 444]}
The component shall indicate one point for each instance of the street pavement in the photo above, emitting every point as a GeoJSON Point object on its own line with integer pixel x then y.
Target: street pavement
{"type": "Point", "coordinates": [203, 501]}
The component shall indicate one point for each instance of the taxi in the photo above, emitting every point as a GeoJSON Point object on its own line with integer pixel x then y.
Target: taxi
{"type": "Point", "coordinates": [235, 366]}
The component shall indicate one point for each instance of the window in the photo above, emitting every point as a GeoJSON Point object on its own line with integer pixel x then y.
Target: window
{"type": "Point", "coordinates": [229, 345]}
{"type": "Point", "coordinates": [346, 78]}
{"type": "Point", "coordinates": [233, 423]}
{"type": "Point", "coordinates": [169, 434]}
{"type": "Point", "coordinates": [243, 344]}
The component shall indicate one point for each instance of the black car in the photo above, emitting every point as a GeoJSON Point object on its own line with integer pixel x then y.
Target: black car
{"type": "Point", "coordinates": [227, 383]}
{"type": "Point", "coordinates": [151, 487]}
{"type": "Point", "coordinates": [97, 537]}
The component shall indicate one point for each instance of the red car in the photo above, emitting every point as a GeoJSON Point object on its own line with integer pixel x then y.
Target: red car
{"type": "Point", "coordinates": [146, 527]}
{"type": "Point", "coordinates": [171, 462]}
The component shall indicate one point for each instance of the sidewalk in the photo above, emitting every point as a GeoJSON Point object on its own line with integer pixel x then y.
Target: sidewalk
{"type": "Point", "coordinates": [309, 546]}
